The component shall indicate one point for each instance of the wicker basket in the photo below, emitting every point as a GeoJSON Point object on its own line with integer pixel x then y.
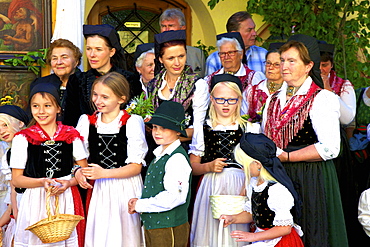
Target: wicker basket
{"type": "Point", "coordinates": [226, 204]}
{"type": "Point", "coordinates": [56, 227]}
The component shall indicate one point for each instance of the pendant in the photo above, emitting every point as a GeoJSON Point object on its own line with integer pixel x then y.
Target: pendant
{"type": "Point", "coordinates": [49, 142]}
{"type": "Point", "coordinates": [291, 91]}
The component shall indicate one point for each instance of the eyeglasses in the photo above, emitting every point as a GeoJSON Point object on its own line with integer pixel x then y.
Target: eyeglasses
{"type": "Point", "coordinates": [268, 64]}
{"type": "Point", "coordinates": [230, 53]}
{"type": "Point", "coordinates": [222, 101]}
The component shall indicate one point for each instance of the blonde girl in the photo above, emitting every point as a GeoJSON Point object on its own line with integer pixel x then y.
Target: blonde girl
{"type": "Point", "coordinates": [117, 148]}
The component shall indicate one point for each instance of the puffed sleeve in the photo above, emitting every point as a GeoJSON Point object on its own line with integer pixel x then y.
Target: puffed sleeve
{"type": "Point", "coordinates": [364, 211]}
{"type": "Point", "coordinates": [325, 121]}
{"type": "Point", "coordinates": [136, 142]}
{"type": "Point", "coordinates": [83, 128]}
{"type": "Point", "coordinates": [19, 147]}
{"type": "Point", "coordinates": [281, 201]}
{"type": "Point", "coordinates": [347, 102]}
{"type": "Point", "coordinates": [200, 106]}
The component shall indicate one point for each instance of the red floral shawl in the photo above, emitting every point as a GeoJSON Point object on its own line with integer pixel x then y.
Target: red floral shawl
{"type": "Point", "coordinates": [255, 98]}
{"type": "Point", "coordinates": [36, 135]}
{"type": "Point", "coordinates": [282, 125]}
{"type": "Point", "coordinates": [337, 84]}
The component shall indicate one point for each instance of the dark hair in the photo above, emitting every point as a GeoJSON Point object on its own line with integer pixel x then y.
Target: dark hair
{"type": "Point", "coordinates": [118, 58]}
{"type": "Point", "coordinates": [65, 43]}
{"type": "Point", "coordinates": [169, 44]}
{"type": "Point", "coordinates": [233, 23]}
{"type": "Point", "coordinates": [271, 51]}
{"type": "Point", "coordinates": [44, 95]}
{"type": "Point", "coordinates": [326, 56]}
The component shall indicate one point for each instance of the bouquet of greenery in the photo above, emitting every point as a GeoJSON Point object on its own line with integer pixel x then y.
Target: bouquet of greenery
{"type": "Point", "coordinates": [254, 118]}
{"type": "Point", "coordinates": [141, 106]}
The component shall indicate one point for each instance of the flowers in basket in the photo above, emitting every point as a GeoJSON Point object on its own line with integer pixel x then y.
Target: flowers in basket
{"type": "Point", "coordinates": [141, 105]}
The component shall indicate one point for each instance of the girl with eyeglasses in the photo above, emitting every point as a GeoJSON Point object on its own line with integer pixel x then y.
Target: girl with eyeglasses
{"type": "Point", "coordinates": [213, 160]}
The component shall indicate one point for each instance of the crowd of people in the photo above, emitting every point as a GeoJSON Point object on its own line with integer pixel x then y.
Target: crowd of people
{"type": "Point", "coordinates": [277, 128]}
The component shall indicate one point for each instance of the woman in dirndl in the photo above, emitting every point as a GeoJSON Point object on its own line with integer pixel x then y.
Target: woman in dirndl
{"type": "Point", "coordinates": [303, 121]}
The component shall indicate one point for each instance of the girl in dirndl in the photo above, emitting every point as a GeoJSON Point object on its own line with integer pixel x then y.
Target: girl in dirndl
{"type": "Point", "coordinates": [221, 174]}
{"type": "Point", "coordinates": [117, 147]}
{"type": "Point", "coordinates": [271, 195]}
{"type": "Point", "coordinates": [43, 156]}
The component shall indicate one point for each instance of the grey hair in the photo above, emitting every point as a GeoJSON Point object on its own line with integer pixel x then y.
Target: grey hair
{"type": "Point", "coordinates": [174, 13]}
{"type": "Point", "coordinates": [140, 59]}
{"type": "Point", "coordinates": [224, 40]}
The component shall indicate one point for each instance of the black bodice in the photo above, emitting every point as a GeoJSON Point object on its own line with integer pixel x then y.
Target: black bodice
{"type": "Point", "coordinates": [263, 216]}
{"type": "Point", "coordinates": [220, 144]}
{"type": "Point", "coordinates": [305, 136]}
{"type": "Point", "coordinates": [109, 150]}
{"type": "Point", "coordinates": [50, 159]}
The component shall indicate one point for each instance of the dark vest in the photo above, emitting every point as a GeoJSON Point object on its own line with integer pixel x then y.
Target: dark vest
{"type": "Point", "coordinates": [153, 185]}
{"type": "Point", "coordinates": [263, 216]}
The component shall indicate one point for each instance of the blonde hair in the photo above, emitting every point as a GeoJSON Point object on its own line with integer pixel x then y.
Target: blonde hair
{"type": "Point", "coordinates": [117, 83]}
{"type": "Point", "coordinates": [236, 118]}
{"type": "Point", "coordinates": [12, 122]}
{"type": "Point", "coordinates": [242, 158]}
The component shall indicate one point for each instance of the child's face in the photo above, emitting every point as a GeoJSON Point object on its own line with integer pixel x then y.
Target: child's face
{"type": "Point", "coordinates": [163, 136]}
{"type": "Point", "coordinates": [105, 100]}
{"type": "Point", "coordinates": [224, 110]}
{"type": "Point", "coordinates": [253, 168]}
{"type": "Point", "coordinates": [44, 110]}
{"type": "Point", "coordinates": [6, 132]}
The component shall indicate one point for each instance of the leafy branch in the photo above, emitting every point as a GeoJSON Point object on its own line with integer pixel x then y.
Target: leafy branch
{"type": "Point", "coordinates": [33, 60]}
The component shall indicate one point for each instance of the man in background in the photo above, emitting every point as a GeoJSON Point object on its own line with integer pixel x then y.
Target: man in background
{"type": "Point", "coordinates": [243, 23]}
{"type": "Point", "coordinates": [174, 19]}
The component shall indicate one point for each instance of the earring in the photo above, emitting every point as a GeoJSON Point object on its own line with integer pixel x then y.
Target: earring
{"type": "Point", "coordinates": [259, 169]}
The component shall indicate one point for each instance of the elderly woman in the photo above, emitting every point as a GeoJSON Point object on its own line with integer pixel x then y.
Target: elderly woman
{"type": "Point", "coordinates": [144, 65]}
{"type": "Point", "coordinates": [63, 57]}
{"type": "Point", "coordinates": [231, 52]}
{"type": "Point", "coordinates": [105, 54]}
{"type": "Point", "coordinates": [177, 82]}
{"type": "Point", "coordinates": [256, 95]}
{"type": "Point", "coordinates": [303, 121]}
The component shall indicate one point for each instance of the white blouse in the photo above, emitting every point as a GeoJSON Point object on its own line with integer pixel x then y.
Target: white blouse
{"type": "Point", "coordinates": [135, 132]}
{"type": "Point", "coordinates": [364, 211]}
{"type": "Point", "coordinates": [324, 116]}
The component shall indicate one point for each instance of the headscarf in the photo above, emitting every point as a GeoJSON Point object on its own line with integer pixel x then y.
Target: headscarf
{"type": "Point", "coordinates": [16, 112]}
{"type": "Point", "coordinates": [314, 53]}
{"type": "Point", "coordinates": [263, 149]}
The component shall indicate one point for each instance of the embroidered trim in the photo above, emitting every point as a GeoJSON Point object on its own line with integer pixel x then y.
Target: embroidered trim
{"type": "Point", "coordinates": [283, 125]}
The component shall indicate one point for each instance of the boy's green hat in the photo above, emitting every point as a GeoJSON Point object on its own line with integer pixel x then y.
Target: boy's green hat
{"type": "Point", "coordinates": [170, 115]}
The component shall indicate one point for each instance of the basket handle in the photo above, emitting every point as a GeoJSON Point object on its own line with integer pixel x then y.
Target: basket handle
{"type": "Point", "coordinates": [48, 211]}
